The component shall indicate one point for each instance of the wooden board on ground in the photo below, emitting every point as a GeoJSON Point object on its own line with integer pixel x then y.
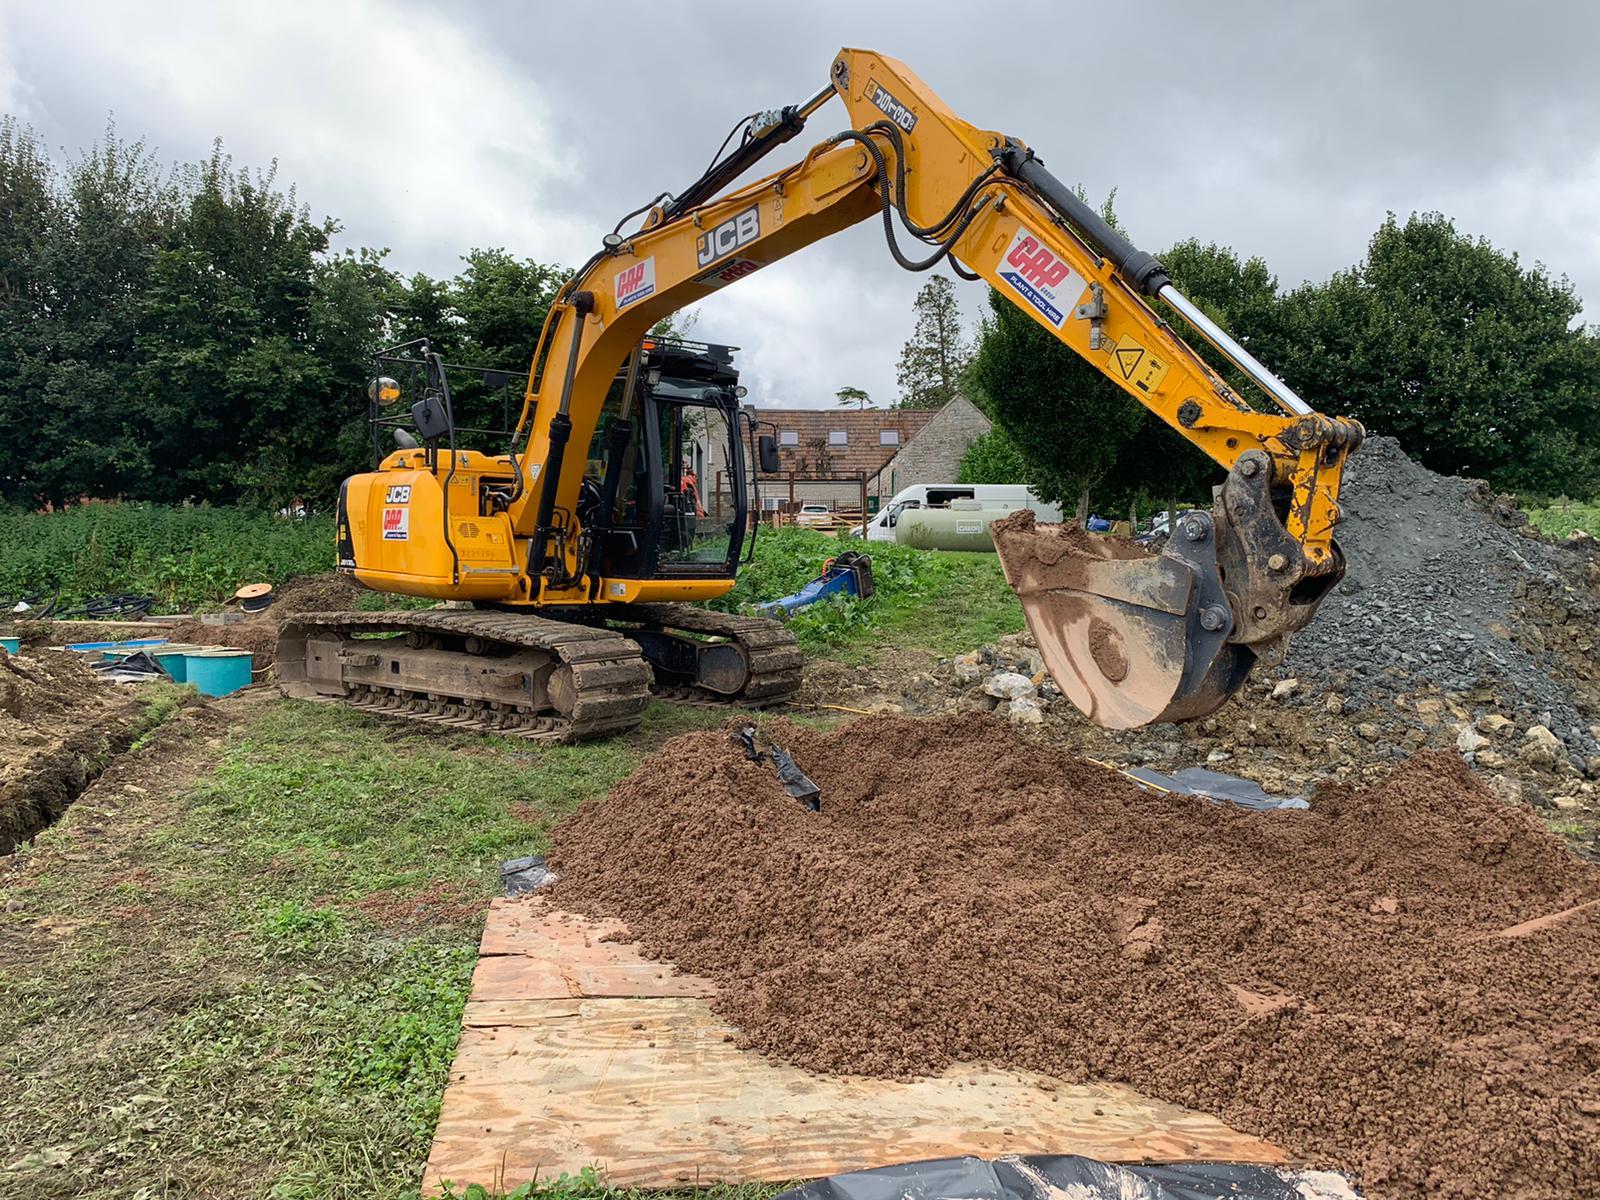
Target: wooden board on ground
{"type": "Point", "coordinates": [576, 1051]}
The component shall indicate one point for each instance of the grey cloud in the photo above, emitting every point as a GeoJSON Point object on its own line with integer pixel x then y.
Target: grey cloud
{"type": "Point", "coordinates": [1285, 130]}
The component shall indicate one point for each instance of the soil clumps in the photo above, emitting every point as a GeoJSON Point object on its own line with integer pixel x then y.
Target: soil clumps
{"type": "Point", "coordinates": [1332, 979]}
{"type": "Point", "coordinates": [59, 725]}
{"type": "Point", "coordinates": [258, 632]}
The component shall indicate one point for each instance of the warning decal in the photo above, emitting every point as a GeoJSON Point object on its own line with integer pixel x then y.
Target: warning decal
{"type": "Point", "coordinates": [1137, 365]}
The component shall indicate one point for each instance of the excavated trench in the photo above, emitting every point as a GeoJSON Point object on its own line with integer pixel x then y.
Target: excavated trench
{"type": "Point", "coordinates": [60, 727]}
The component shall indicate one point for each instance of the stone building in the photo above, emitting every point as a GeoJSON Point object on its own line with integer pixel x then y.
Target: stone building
{"type": "Point", "coordinates": [825, 453]}
{"type": "Point", "coordinates": [934, 453]}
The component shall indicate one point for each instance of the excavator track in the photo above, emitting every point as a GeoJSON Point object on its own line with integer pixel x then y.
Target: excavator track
{"type": "Point", "coordinates": [770, 657]}
{"type": "Point", "coordinates": [495, 672]}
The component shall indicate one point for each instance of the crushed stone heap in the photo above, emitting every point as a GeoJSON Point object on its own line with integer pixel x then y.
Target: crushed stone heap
{"type": "Point", "coordinates": [1331, 979]}
{"type": "Point", "coordinates": [1443, 587]}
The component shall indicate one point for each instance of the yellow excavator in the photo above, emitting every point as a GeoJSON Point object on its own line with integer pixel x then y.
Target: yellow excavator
{"type": "Point", "coordinates": [584, 555]}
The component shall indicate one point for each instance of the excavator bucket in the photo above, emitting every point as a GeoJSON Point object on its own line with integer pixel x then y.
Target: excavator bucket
{"type": "Point", "coordinates": [1129, 636]}
{"type": "Point", "coordinates": [1134, 637]}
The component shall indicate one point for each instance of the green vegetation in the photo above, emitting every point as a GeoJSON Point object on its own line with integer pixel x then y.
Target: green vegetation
{"type": "Point", "coordinates": [182, 556]}
{"type": "Point", "coordinates": [1564, 516]}
{"type": "Point", "coordinates": [992, 458]}
{"type": "Point", "coordinates": [185, 334]}
{"type": "Point", "coordinates": [259, 983]}
{"type": "Point", "coordinates": [939, 600]}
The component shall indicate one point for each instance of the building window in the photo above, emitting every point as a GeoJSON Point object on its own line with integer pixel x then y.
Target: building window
{"type": "Point", "coordinates": [888, 437]}
{"type": "Point", "coordinates": [789, 437]}
{"type": "Point", "coordinates": [838, 437]}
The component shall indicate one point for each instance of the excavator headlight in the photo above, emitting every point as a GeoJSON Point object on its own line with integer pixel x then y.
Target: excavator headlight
{"type": "Point", "coordinates": [741, 391]}
{"type": "Point", "coordinates": [383, 391]}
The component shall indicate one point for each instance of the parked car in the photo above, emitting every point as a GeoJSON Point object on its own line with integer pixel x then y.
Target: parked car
{"type": "Point", "coordinates": [814, 514]}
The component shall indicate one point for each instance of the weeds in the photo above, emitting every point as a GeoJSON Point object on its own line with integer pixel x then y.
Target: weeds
{"type": "Point", "coordinates": [182, 556]}
{"type": "Point", "coordinates": [242, 1023]}
{"type": "Point", "coordinates": [1564, 516]}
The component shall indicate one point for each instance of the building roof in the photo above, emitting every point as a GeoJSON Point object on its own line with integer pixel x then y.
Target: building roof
{"type": "Point", "coordinates": [814, 450]}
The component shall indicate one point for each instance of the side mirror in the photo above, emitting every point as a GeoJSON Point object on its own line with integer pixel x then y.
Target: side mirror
{"type": "Point", "coordinates": [767, 452]}
{"type": "Point", "coordinates": [428, 415]}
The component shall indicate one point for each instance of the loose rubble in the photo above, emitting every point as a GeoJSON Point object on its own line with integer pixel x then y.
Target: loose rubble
{"type": "Point", "coordinates": [1457, 628]}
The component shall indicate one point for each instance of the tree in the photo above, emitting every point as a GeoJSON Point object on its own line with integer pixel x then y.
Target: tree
{"type": "Point", "coordinates": [933, 360]}
{"type": "Point", "coordinates": [1068, 423]}
{"type": "Point", "coordinates": [992, 458]}
{"type": "Point", "coordinates": [852, 395]}
{"type": "Point", "coordinates": [678, 324]}
{"type": "Point", "coordinates": [81, 242]}
{"type": "Point", "coordinates": [1471, 359]}
{"type": "Point", "coordinates": [1065, 419]}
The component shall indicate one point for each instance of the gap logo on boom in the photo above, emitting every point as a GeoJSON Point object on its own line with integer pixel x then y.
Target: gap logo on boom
{"type": "Point", "coordinates": [1051, 286]}
{"type": "Point", "coordinates": [738, 230]}
{"type": "Point", "coordinates": [636, 282]}
{"type": "Point", "coordinates": [890, 107]}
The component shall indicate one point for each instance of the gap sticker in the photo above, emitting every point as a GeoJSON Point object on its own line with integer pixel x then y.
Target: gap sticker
{"type": "Point", "coordinates": [635, 282]}
{"type": "Point", "coordinates": [728, 272]}
{"type": "Point", "coordinates": [396, 524]}
{"type": "Point", "coordinates": [1034, 272]}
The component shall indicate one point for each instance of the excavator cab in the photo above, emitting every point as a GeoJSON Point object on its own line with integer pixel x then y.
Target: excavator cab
{"type": "Point", "coordinates": [676, 459]}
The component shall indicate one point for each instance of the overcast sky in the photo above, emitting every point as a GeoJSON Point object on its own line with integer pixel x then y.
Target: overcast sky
{"type": "Point", "coordinates": [1281, 129]}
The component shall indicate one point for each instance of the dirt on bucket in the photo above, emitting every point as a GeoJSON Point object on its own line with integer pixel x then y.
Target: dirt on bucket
{"type": "Point", "coordinates": [1356, 982]}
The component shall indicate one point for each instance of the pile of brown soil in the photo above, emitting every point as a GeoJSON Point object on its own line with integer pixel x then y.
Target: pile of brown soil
{"type": "Point", "coordinates": [328, 592]}
{"type": "Point", "coordinates": [258, 632]}
{"type": "Point", "coordinates": [1330, 979]}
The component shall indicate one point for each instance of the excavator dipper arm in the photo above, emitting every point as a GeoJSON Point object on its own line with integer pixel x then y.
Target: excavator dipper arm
{"type": "Point", "coordinates": [1131, 637]}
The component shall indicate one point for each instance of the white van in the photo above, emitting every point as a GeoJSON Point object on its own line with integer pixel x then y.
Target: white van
{"type": "Point", "coordinates": [998, 498]}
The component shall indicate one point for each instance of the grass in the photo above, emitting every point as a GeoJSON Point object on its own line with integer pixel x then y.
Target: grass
{"type": "Point", "coordinates": [1563, 516]}
{"type": "Point", "coordinates": [944, 601]}
{"type": "Point", "coordinates": [255, 989]}
{"type": "Point", "coordinates": [183, 556]}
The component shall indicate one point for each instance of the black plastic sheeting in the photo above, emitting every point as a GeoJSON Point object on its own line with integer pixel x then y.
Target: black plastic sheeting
{"type": "Point", "coordinates": [1070, 1177]}
{"type": "Point", "coordinates": [523, 875]}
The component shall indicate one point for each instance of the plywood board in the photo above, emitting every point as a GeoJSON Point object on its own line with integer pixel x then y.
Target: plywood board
{"type": "Point", "coordinates": [560, 1067]}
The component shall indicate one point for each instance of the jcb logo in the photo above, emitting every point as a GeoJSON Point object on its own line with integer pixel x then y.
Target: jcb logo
{"type": "Point", "coordinates": [399, 494]}
{"type": "Point", "coordinates": [1036, 263]}
{"type": "Point", "coordinates": [890, 107]}
{"type": "Point", "coordinates": [736, 231]}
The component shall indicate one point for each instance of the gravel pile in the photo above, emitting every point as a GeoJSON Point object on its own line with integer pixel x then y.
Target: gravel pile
{"type": "Point", "coordinates": [1445, 587]}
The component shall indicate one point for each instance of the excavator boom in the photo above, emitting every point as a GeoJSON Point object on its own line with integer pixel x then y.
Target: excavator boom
{"type": "Point", "coordinates": [1131, 637]}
